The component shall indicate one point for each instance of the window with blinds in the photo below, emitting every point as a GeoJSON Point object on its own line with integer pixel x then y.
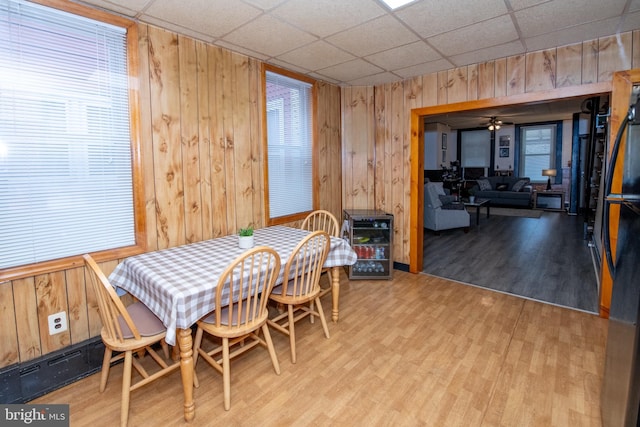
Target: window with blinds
{"type": "Point", "coordinates": [289, 105]}
{"type": "Point", "coordinates": [537, 150]}
{"type": "Point", "coordinates": [65, 146]}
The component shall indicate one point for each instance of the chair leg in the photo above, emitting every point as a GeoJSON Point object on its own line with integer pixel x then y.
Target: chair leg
{"type": "Point", "coordinates": [226, 374]}
{"type": "Point", "coordinates": [322, 319]}
{"type": "Point", "coordinates": [106, 365]}
{"type": "Point", "coordinates": [271, 348]}
{"type": "Point", "coordinates": [126, 388]}
{"type": "Point", "coordinates": [292, 334]}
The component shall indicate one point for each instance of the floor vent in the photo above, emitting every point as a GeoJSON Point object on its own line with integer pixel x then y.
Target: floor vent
{"type": "Point", "coordinates": [26, 381]}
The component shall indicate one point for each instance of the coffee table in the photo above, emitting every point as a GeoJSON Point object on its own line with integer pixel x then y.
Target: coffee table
{"type": "Point", "coordinates": [478, 203]}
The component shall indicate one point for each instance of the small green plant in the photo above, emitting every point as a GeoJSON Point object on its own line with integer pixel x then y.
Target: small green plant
{"type": "Point", "coordinates": [472, 191]}
{"type": "Point", "coordinates": [244, 232]}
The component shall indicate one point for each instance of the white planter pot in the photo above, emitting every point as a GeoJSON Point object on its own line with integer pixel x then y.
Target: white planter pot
{"type": "Point", "coordinates": [472, 199]}
{"type": "Point", "coordinates": [245, 242]}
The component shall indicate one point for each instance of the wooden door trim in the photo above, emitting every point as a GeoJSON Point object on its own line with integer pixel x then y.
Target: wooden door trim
{"type": "Point", "coordinates": [417, 147]}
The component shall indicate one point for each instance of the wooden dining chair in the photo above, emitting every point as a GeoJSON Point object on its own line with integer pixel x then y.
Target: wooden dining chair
{"type": "Point", "coordinates": [246, 283]}
{"type": "Point", "coordinates": [129, 331]}
{"type": "Point", "coordinates": [322, 220]}
{"type": "Point", "coordinates": [301, 287]}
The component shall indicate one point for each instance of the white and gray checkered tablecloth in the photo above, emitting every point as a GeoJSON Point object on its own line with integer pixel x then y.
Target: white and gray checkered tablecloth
{"type": "Point", "coordinates": [178, 283]}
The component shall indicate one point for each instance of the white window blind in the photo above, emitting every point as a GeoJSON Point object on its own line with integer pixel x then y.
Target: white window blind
{"type": "Point", "coordinates": [475, 147]}
{"type": "Point", "coordinates": [65, 150]}
{"type": "Point", "coordinates": [290, 145]}
{"type": "Point", "coordinates": [537, 151]}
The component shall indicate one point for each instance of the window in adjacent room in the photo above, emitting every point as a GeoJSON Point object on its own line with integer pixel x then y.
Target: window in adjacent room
{"type": "Point", "coordinates": [540, 148]}
{"type": "Point", "coordinates": [66, 175]}
{"type": "Point", "coordinates": [290, 145]}
{"type": "Point", "coordinates": [475, 147]}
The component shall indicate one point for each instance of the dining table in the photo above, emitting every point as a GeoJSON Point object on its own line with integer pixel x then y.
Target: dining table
{"type": "Point", "coordinates": [178, 284]}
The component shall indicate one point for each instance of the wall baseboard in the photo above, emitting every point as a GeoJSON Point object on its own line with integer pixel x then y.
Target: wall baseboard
{"type": "Point", "coordinates": [23, 382]}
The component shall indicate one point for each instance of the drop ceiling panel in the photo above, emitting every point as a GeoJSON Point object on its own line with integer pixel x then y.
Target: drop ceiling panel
{"type": "Point", "coordinates": [431, 17]}
{"type": "Point", "coordinates": [327, 17]}
{"type": "Point", "coordinates": [276, 37]}
{"type": "Point", "coordinates": [374, 36]}
{"type": "Point", "coordinates": [369, 42]}
{"type": "Point", "coordinates": [213, 17]}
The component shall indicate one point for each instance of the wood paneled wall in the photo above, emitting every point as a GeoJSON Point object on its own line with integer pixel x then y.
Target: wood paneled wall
{"type": "Point", "coordinates": [377, 121]}
{"type": "Point", "coordinates": [202, 157]}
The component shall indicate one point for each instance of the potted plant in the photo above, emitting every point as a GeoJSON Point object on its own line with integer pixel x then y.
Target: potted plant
{"type": "Point", "coordinates": [245, 238]}
{"type": "Point", "coordinates": [472, 195]}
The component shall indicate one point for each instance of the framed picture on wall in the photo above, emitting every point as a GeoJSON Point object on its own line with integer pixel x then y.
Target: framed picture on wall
{"type": "Point", "coordinates": [504, 152]}
{"type": "Point", "coordinates": [444, 141]}
{"type": "Point", "coordinates": [505, 141]}
{"type": "Point", "coordinates": [444, 157]}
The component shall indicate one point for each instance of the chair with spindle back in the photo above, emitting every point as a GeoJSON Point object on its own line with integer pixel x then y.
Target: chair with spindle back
{"type": "Point", "coordinates": [130, 331]}
{"type": "Point", "coordinates": [301, 287]}
{"type": "Point", "coordinates": [241, 298]}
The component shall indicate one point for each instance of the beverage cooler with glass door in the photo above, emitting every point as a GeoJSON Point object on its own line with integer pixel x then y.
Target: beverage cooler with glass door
{"type": "Point", "coordinates": [370, 234]}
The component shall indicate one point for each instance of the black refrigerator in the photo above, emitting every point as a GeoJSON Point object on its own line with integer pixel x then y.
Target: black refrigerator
{"type": "Point", "coordinates": [620, 396]}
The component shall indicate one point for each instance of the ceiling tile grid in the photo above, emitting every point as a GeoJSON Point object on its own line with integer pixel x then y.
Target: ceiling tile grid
{"type": "Point", "coordinates": [363, 42]}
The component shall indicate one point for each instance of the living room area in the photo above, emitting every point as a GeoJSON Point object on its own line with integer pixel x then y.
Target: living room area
{"type": "Point", "coordinates": [517, 201]}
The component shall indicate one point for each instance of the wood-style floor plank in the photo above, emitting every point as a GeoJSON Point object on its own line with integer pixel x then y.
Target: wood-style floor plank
{"type": "Point", "coordinates": [546, 258]}
{"type": "Point", "coordinates": [415, 350]}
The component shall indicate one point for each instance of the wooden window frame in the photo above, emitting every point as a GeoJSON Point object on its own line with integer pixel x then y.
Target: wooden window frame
{"type": "Point", "coordinates": [314, 145]}
{"type": "Point", "coordinates": [140, 246]}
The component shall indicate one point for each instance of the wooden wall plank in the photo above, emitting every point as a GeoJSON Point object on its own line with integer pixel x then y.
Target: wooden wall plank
{"type": "Point", "coordinates": [323, 141]}
{"type": "Point", "coordinates": [165, 112]}
{"type": "Point", "coordinates": [457, 84]}
{"type": "Point", "coordinates": [516, 69]}
{"type": "Point", "coordinates": [51, 296]}
{"type": "Point", "coordinates": [397, 120]}
{"type": "Point", "coordinates": [382, 166]}
{"type": "Point", "coordinates": [347, 147]}
{"type": "Point", "coordinates": [614, 54]}
{"type": "Point", "coordinates": [190, 138]}
{"type": "Point", "coordinates": [413, 99]}
{"type": "Point", "coordinates": [589, 62]}
{"type": "Point", "coordinates": [500, 77]}
{"type": "Point", "coordinates": [218, 141]}
{"type": "Point", "coordinates": [24, 296]}
{"type": "Point", "coordinates": [146, 138]}
{"type": "Point", "coordinates": [255, 106]}
{"type": "Point", "coordinates": [9, 353]}
{"type": "Point", "coordinates": [204, 139]}
{"type": "Point", "coordinates": [430, 89]}
{"type": "Point", "coordinates": [443, 87]}
{"type": "Point", "coordinates": [568, 66]}
{"type": "Point", "coordinates": [332, 202]}
{"type": "Point", "coordinates": [472, 87]}
{"type": "Point", "coordinates": [242, 149]}
{"type": "Point", "coordinates": [486, 80]}
{"type": "Point", "coordinates": [541, 70]}
{"type": "Point", "coordinates": [227, 116]}
{"type": "Point", "coordinates": [77, 304]}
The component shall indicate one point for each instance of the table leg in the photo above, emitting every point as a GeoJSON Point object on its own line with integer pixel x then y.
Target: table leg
{"type": "Point", "coordinates": [478, 216]}
{"type": "Point", "coordinates": [488, 206]}
{"type": "Point", "coordinates": [186, 370]}
{"type": "Point", "coordinates": [335, 292]}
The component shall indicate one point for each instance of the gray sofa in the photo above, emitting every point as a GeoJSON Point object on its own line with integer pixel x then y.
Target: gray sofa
{"type": "Point", "coordinates": [501, 192]}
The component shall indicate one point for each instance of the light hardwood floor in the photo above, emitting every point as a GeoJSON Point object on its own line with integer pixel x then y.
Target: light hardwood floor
{"type": "Point", "coordinates": [414, 351]}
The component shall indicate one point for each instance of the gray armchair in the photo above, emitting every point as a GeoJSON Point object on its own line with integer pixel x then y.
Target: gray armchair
{"type": "Point", "coordinates": [435, 217]}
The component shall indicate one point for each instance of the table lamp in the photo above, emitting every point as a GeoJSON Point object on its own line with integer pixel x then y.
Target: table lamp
{"type": "Point", "coordinates": [549, 173]}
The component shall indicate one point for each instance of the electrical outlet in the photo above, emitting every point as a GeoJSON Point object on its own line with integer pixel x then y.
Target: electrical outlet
{"type": "Point", "coordinates": [57, 322]}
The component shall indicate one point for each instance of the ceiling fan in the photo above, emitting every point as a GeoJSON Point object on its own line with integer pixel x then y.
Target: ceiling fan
{"type": "Point", "coordinates": [495, 124]}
